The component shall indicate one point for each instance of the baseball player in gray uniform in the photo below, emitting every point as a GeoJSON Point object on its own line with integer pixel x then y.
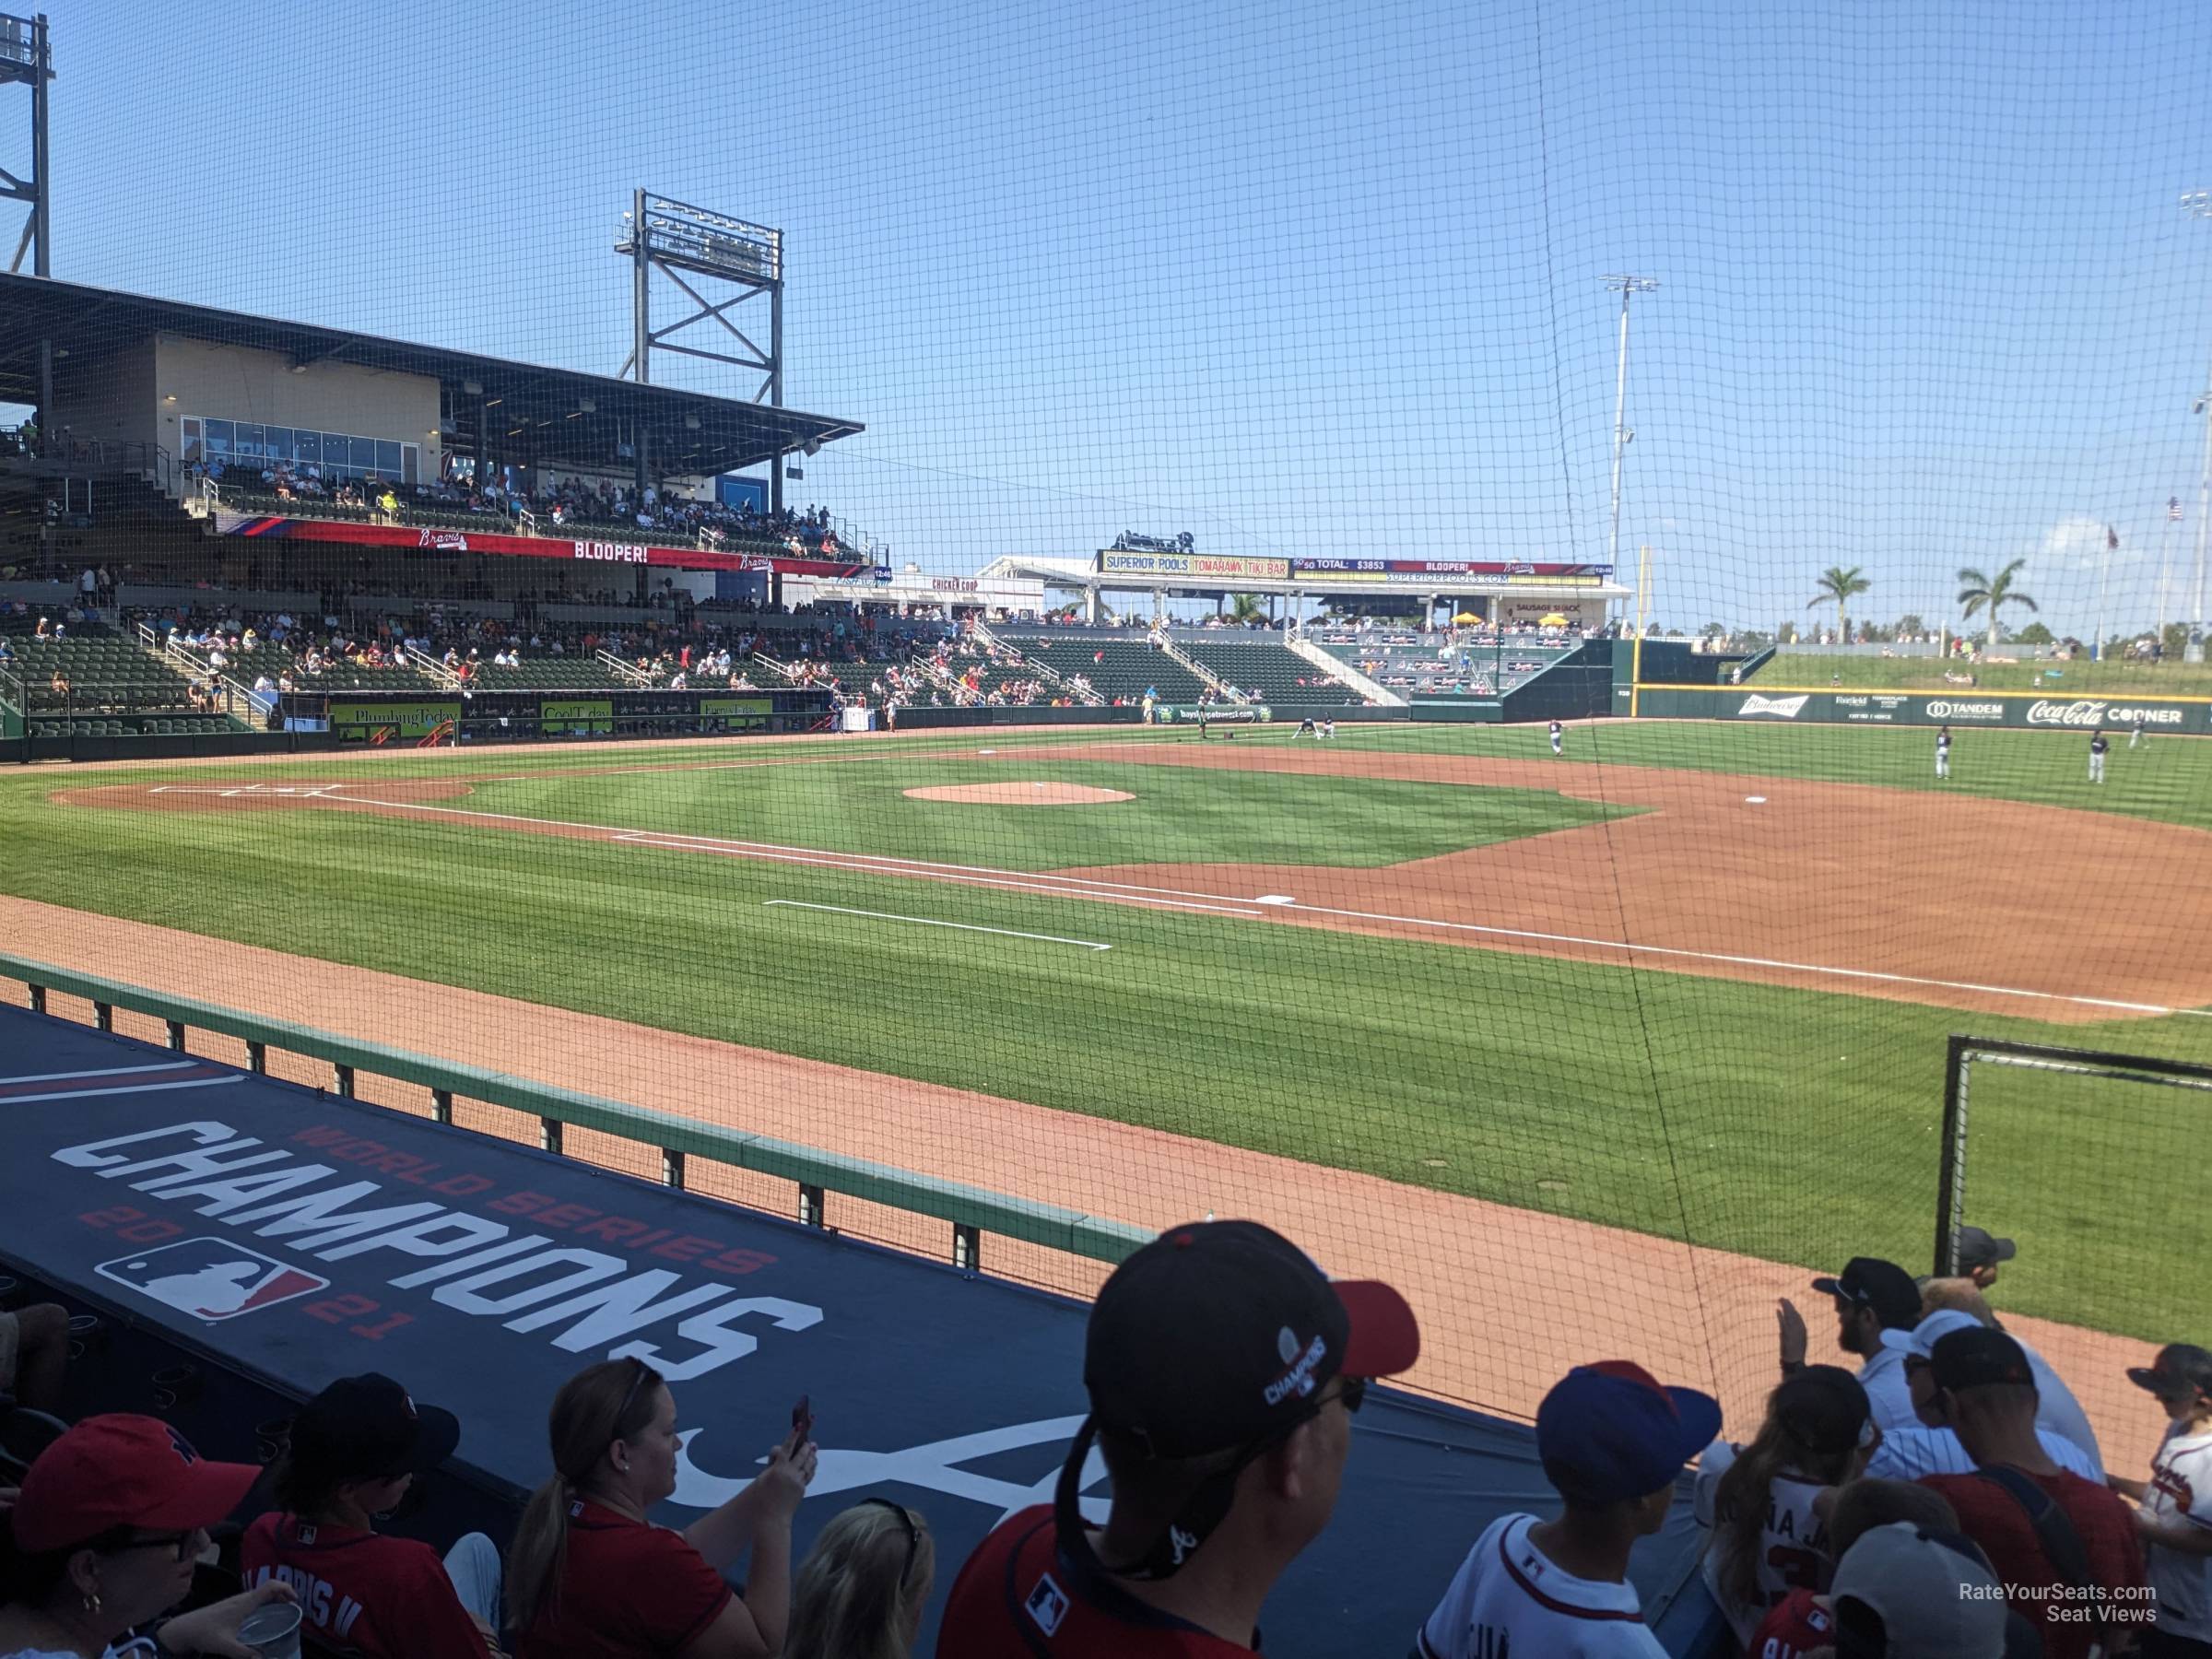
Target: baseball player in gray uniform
{"type": "Point", "coordinates": [2099, 747]}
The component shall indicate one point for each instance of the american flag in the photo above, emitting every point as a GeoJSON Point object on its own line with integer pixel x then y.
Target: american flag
{"type": "Point", "coordinates": [2173, 507]}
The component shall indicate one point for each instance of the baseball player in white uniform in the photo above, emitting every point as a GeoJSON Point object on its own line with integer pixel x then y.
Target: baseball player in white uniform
{"type": "Point", "coordinates": [1943, 753]}
{"type": "Point", "coordinates": [2099, 747]}
{"type": "Point", "coordinates": [1558, 738]}
{"type": "Point", "coordinates": [2134, 733]}
{"type": "Point", "coordinates": [2175, 1522]}
{"type": "Point", "coordinates": [1612, 1440]}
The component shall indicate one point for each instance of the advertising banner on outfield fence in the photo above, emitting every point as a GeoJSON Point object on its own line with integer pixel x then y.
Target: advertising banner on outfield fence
{"type": "Point", "coordinates": [1185, 567]}
{"type": "Point", "coordinates": [2013, 708]}
{"type": "Point", "coordinates": [1213, 713]}
{"type": "Point", "coordinates": [359, 722]}
{"type": "Point", "coordinates": [737, 713]}
{"type": "Point", "coordinates": [577, 717]}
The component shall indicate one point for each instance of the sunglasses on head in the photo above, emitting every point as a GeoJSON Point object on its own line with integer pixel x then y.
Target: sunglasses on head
{"type": "Point", "coordinates": [629, 1395]}
{"type": "Point", "coordinates": [913, 1533]}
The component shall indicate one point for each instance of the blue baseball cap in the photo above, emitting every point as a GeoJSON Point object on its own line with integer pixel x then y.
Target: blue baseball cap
{"type": "Point", "coordinates": [1611, 1431]}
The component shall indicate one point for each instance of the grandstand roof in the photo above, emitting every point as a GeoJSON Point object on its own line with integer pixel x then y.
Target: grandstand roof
{"type": "Point", "coordinates": [731, 434]}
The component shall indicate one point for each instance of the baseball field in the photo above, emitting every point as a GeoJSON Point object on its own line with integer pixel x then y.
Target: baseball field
{"type": "Point", "coordinates": [1600, 1053]}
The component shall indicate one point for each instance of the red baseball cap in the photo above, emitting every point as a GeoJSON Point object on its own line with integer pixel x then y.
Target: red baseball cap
{"type": "Point", "coordinates": [122, 1470]}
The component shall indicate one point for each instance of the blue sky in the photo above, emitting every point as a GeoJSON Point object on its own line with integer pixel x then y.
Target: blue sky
{"type": "Point", "coordinates": [1294, 278]}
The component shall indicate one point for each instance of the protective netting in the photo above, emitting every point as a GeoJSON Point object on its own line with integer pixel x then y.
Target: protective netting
{"type": "Point", "coordinates": [1814, 388]}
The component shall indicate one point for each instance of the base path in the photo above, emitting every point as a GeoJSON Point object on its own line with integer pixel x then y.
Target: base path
{"type": "Point", "coordinates": [2041, 912]}
{"type": "Point", "coordinates": [1508, 1298]}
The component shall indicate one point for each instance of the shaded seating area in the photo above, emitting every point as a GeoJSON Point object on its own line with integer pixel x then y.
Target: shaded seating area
{"type": "Point", "coordinates": [1270, 667]}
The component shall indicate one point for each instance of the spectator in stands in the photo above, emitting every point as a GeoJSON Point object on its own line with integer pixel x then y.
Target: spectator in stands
{"type": "Point", "coordinates": [1979, 1254]}
{"type": "Point", "coordinates": [1612, 1440]}
{"type": "Point", "coordinates": [1804, 1619]}
{"type": "Point", "coordinates": [588, 1573]}
{"type": "Point", "coordinates": [104, 1536]}
{"type": "Point", "coordinates": [34, 1353]}
{"type": "Point", "coordinates": [1759, 1499]}
{"type": "Point", "coordinates": [355, 1450]}
{"type": "Point", "coordinates": [2175, 1519]}
{"type": "Point", "coordinates": [1871, 1296]}
{"type": "Point", "coordinates": [1907, 1590]}
{"type": "Point", "coordinates": [1223, 1369]}
{"type": "Point", "coordinates": [2057, 1409]}
{"type": "Point", "coordinates": [863, 1588]}
{"type": "Point", "coordinates": [2041, 1527]}
{"type": "Point", "coordinates": [1932, 1447]}
{"type": "Point", "coordinates": [59, 684]}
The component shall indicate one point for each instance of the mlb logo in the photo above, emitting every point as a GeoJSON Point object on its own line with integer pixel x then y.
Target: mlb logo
{"type": "Point", "coordinates": [210, 1278]}
{"type": "Point", "coordinates": [1047, 1604]}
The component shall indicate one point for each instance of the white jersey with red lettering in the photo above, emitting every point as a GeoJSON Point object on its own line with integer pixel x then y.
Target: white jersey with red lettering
{"type": "Point", "coordinates": [1792, 1541]}
{"type": "Point", "coordinates": [1510, 1600]}
{"type": "Point", "coordinates": [2180, 1494]}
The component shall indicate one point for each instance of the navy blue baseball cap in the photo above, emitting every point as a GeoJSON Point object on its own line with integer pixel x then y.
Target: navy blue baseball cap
{"type": "Point", "coordinates": [1611, 1431]}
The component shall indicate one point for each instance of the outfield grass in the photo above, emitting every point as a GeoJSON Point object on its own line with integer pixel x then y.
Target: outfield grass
{"type": "Point", "coordinates": [1791, 1124]}
{"type": "Point", "coordinates": [2114, 676]}
{"type": "Point", "coordinates": [2167, 779]}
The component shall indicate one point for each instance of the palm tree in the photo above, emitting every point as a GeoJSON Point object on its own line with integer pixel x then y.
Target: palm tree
{"type": "Point", "coordinates": [1993, 593]}
{"type": "Point", "coordinates": [1837, 585]}
{"type": "Point", "coordinates": [1245, 607]}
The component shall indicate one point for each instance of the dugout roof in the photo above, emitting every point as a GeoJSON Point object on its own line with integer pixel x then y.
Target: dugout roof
{"type": "Point", "coordinates": [88, 322]}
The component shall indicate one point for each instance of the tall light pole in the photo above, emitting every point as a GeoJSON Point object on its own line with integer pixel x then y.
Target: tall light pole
{"type": "Point", "coordinates": [2197, 204]}
{"type": "Point", "coordinates": [1624, 286]}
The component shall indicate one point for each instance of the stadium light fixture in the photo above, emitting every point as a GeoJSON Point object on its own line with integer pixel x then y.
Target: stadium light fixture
{"type": "Point", "coordinates": [2197, 204]}
{"type": "Point", "coordinates": [1625, 286]}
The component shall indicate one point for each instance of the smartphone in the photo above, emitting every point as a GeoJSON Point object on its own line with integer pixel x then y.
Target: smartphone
{"type": "Point", "coordinates": [802, 1422]}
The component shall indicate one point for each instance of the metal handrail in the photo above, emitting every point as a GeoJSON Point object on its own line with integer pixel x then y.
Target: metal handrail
{"type": "Point", "coordinates": [971, 1210]}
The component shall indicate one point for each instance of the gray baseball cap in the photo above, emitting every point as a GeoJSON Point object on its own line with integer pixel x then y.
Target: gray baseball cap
{"type": "Point", "coordinates": [1934, 1593]}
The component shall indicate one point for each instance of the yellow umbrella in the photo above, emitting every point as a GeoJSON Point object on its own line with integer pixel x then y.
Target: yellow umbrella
{"type": "Point", "coordinates": [1554, 620]}
{"type": "Point", "coordinates": [1466, 616]}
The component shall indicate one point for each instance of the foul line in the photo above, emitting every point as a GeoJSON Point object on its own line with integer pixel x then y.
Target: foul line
{"type": "Point", "coordinates": [930, 922]}
{"type": "Point", "coordinates": [1079, 887]}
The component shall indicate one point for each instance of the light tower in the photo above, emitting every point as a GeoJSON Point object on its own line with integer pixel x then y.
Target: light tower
{"type": "Point", "coordinates": [2197, 204]}
{"type": "Point", "coordinates": [1624, 286]}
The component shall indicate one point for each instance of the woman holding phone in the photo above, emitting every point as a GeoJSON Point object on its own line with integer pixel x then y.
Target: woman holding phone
{"type": "Point", "coordinates": [588, 1573]}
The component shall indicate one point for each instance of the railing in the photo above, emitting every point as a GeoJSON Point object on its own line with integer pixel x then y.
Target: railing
{"type": "Point", "coordinates": [971, 1211]}
{"type": "Point", "coordinates": [627, 671]}
{"type": "Point", "coordinates": [1345, 674]}
{"type": "Point", "coordinates": [239, 701]}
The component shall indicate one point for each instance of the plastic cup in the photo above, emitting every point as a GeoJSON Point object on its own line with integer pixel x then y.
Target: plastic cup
{"type": "Point", "coordinates": [273, 1631]}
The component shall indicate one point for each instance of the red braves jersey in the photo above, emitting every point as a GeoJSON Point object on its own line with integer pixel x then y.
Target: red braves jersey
{"type": "Point", "coordinates": [1993, 1519]}
{"type": "Point", "coordinates": [1016, 1598]}
{"type": "Point", "coordinates": [1791, 1628]}
{"type": "Point", "coordinates": [632, 1591]}
{"type": "Point", "coordinates": [361, 1592]}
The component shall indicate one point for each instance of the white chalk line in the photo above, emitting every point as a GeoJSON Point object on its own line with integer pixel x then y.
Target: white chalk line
{"type": "Point", "coordinates": [1006, 933]}
{"type": "Point", "coordinates": [1071, 886]}
{"type": "Point", "coordinates": [105, 1071]}
{"type": "Point", "coordinates": [86, 1094]}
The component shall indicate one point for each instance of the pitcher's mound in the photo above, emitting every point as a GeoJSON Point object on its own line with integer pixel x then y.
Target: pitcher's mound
{"type": "Point", "coordinates": [1021, 794]}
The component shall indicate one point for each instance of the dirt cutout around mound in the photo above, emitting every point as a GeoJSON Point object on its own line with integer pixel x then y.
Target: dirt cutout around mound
{"type": "Point", "coordinates": [1019, 794]}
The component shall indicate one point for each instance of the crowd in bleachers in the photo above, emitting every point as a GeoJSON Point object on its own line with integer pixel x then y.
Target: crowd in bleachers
{"type": "Point", "coordinates": [1942, 1495]}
